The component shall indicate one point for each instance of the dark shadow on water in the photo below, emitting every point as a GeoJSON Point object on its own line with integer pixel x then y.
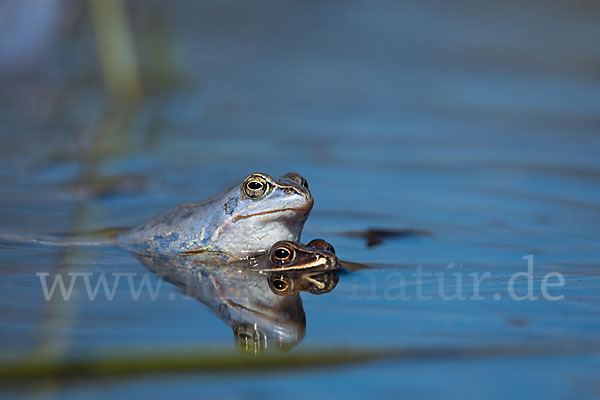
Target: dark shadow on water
{"type": "Point", "coordinates": [377, 236]}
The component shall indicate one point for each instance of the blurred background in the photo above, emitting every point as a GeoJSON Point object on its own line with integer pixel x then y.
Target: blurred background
{"type": "Point", "coordinates": [477, 122]}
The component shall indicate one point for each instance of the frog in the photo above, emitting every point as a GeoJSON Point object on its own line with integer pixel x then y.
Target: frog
{"type": "Point", "coordinates": [289, 256]}
{"type": "Point", "coordinates": [241, 292]}
{"type": "Point", "coordinates": [295, 268]}
{"type": "Point", "coordinates": [244, 220]}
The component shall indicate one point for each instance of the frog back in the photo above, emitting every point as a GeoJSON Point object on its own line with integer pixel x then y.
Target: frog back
{"type": "Point", "coordinates": [175, 230]}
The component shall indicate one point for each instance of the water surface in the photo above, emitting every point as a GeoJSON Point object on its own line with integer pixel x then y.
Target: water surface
{"type": "Point", "coordinates": [475, 122]}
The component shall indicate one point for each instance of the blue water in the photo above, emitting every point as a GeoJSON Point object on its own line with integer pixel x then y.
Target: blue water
{"type": "Point", "coordinates": [477, 122]}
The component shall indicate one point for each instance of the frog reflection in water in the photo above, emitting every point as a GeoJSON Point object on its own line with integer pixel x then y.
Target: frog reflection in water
{"type": "Point", "coordinates": [245, 220]}
{"type": "Point", "coordinates": [258, 297]}
{"type": "Point", "coordinates": [296, 268]}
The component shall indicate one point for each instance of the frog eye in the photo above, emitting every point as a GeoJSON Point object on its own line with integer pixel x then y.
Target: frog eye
{"type": "Point", "coordinates": [281, 285]}
{"type": "Point", "coordinates": [282, 254]}
{"type": "Point", "coordinates": [255, 186]}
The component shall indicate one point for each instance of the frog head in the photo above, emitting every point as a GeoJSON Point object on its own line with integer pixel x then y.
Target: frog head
{"type": "Point", "coordinates": [260, 212]}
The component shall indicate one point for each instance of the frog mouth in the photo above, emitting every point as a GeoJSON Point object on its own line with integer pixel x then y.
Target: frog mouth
{"type": "Point", "coordinates": [300, 209]}
{"type": "Point", "coordinates": [303, 266]}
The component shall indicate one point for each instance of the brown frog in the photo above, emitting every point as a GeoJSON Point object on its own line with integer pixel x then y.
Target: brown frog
{"type": "Point", "coordinates": [248, 294]}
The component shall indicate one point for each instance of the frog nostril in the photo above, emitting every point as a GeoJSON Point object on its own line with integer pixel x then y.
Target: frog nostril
{"type": "Point", "coordinates": [321, 245]}
{"type": "Point", "coordinates": [296, 178]}
{"type": "Point", "coordinates": [304, 183]}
